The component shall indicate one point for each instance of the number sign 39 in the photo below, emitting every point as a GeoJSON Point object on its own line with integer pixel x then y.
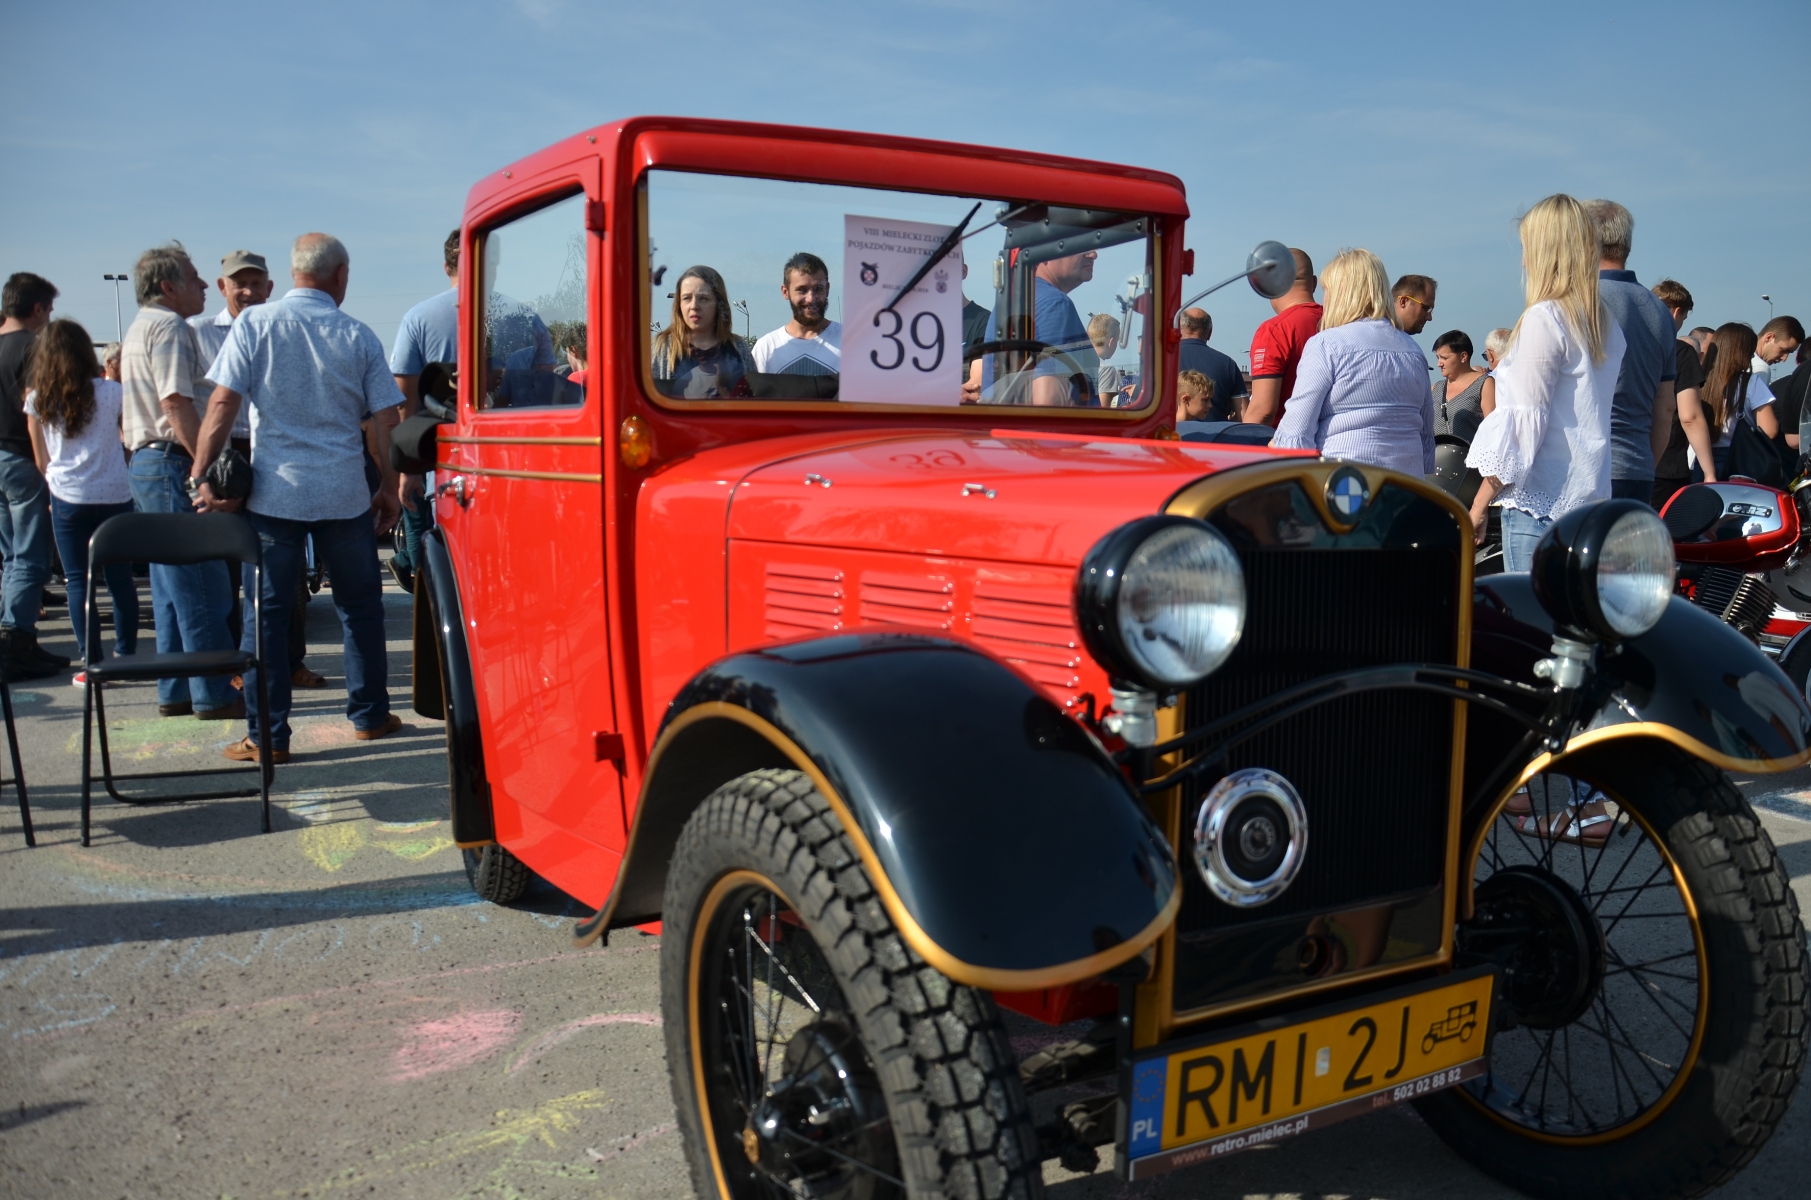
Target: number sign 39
{"type": "Point", "coordinates": [910, 353]}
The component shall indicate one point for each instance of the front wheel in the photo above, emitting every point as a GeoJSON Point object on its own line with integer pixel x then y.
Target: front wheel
{"type": "Point", "coordinates": [812, 1053]}
{"type": "Point", "coordinates": [1652, 986]}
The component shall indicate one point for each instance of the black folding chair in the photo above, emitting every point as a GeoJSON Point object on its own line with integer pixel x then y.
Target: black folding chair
{"type": "Point", "coordinates": [171, 539]}
{"type": "Point", "coordinates": [18, 779]}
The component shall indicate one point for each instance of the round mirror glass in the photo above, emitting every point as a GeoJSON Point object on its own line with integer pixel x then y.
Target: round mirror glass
{"type": "Point", "coordinates": [1271, 269]}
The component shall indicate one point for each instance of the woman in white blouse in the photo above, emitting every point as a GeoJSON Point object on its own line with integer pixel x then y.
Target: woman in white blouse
{"type": "Point", "coordinates": [1361, 391]}
{"type": "Point", "coordinates": [1545, 449]}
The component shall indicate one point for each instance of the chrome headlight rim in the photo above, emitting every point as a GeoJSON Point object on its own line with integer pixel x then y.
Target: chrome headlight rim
{"type": "Point", "coordinates": [1569, 561]}
{"type": "Point", "coordinates": [1098, 592]}
{"type": "Point", "coordinates": [1213, 827]}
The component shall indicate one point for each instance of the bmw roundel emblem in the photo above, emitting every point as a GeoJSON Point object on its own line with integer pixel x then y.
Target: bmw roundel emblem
{"type": "Point", "coordinates": [1347, 494]}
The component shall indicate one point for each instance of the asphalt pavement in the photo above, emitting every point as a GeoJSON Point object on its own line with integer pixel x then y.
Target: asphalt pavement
{"type": "Point", "coordinates": [192, 1008]}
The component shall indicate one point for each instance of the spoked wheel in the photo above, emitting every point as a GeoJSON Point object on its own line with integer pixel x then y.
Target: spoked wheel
{"type": "Point", "coordinates": [813, 1054]}
{"type": "Point", "coordinates": [1652, 982]}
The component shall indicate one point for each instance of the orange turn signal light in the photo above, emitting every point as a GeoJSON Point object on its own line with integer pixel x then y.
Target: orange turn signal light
{"type": "Point", "coordinates": [634, 443]}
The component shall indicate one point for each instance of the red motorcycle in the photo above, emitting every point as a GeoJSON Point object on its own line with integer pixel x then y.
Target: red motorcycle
{"type": "Point", "coordinates": [1741, 549]}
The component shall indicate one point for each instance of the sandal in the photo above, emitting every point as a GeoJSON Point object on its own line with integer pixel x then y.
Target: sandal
{"type": "Point", "coordinates": [1590, 831]}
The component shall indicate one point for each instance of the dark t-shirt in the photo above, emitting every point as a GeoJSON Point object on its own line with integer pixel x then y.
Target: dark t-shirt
{"type": "Point", "coordinates": [1194, 354]}
{"type": "Point", "coordinates": [15, 435]}
{"type": "Point", "coordinates": [1672, 464]}
{"type": "Point", "coordinates": [974, 323]}
{"type": "Point", "coordinates": [1789, 399]}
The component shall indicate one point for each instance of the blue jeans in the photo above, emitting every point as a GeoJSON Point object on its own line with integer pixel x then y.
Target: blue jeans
{"type": "Point", "coordinates": [1632, 489]}
{"type": "Point", "coordinates": [1521, 534]}
{"type": "Point", "coordinates": [74, 525]}
{"type": "Point", "coordinates": [191, 602]}
{"type": "Point", "coordinates": [24, 541]}
{"type": "Point", "coordinates": [409, 532]}
{"type": "Point", "coordinates": [349, 549]}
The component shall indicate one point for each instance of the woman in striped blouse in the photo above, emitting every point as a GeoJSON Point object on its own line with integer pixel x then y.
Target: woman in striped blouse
{"type": "Point", "coordinates": [1361, 392]}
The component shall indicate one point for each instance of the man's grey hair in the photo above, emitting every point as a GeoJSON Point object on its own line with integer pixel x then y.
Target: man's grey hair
{"type": "Point", "coordinates": [318, 255]}
{"type": "Point", "coordinates": [156, 267]}
{"type": "Point", "coordinates": [110, 352]}
{"type": "Point", "coordinates": [1193, 326]}
{"type": "Point", "coordinates": [1497, 341]}
{"type": "Point", "coordinates": [1615, 228]}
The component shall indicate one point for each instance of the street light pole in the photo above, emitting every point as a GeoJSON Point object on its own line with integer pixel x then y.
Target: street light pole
{"type": "Point", "coordinates": [119, 333]}
{"type": "Point", "coordinates": [1769, 300]}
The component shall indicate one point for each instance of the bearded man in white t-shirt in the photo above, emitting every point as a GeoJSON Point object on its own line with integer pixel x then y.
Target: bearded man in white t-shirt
{"type": "Point", "coordinates": [809, 344]}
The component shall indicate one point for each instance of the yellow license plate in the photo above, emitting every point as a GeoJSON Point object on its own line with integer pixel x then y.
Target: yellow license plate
{"type": "Point", "coordinates": [1253, 1086]}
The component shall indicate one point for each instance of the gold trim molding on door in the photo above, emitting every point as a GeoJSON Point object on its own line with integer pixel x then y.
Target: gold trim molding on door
{"type": "Point", "coordinates": [557, 476]}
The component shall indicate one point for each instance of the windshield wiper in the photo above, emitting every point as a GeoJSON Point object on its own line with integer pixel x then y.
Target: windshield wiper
{"type": "Point", "coordinates": [949, 243]}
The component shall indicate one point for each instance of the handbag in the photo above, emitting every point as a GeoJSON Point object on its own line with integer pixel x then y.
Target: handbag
{"type": "Point", "coordinates": [230, 475]}
{"type": "Point", "coordinates": [1751, 452]}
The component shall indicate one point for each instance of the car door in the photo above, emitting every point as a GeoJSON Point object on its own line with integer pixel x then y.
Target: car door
{"type": "Point", "coordinates": [530, 447]}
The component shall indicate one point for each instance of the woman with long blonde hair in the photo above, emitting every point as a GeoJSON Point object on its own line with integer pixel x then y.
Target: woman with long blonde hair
{"type": "Point", "coordinates": [1361, 390]}
{"type": "Point", "coordinates": [1544, 450]}
{"type": "Point", "coordinates": [698, 355]}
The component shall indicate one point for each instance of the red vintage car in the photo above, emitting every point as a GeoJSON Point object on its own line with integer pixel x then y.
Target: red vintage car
{"type": "Point", "coordinates": [819, 576]}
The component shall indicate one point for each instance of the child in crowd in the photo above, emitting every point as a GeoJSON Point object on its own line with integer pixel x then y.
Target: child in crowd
{"type": "Point", "coordinates": [1194, 397]}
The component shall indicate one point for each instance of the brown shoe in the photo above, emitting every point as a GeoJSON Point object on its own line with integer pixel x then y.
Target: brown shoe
{"type": "Point", "coordinates": [390, 726]}
{"type": "Point", "coordinates": [226, 712]}
{"type": "Point", "coordinates": [246, 750]}
{"type": "Point", "coordinates": [181, 708]}
{"type": "Point", "coordinates": [304, 678]}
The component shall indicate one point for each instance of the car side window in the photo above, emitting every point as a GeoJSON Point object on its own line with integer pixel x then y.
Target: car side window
{"type": "Point", "coordinates": [533, 335]}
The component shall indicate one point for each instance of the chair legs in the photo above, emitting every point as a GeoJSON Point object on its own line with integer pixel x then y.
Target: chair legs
{"type": "Point", "coordinates": [18, 780]}
{"type": "Point", "coordinates": [87, 754]}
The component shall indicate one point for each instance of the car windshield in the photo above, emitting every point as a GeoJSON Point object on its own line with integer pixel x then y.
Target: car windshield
{"type": "Point", "coordinates": [762, 289]}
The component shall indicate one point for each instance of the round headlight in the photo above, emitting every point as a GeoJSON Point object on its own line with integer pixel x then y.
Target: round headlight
{"type": "Point", "coordinates": [1606, 570]}
{"type": "Point", "coordinates": [1161, 601]}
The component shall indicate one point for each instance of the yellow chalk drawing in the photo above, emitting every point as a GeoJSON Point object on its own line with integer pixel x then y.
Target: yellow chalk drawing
{"type": "Point", "coordinates": [513, 1131]}
{"type": "Point", "coordinates": [330, 847]}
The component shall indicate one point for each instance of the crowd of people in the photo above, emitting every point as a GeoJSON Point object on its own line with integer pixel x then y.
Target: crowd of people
{"type": "Point", "coordinates": [1592, 394]}
{"type": "Point", "coordinates": [303, 393]}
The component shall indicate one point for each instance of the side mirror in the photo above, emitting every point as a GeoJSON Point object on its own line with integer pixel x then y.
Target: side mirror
{"type": "Point", "coordinates": [1270, 267]}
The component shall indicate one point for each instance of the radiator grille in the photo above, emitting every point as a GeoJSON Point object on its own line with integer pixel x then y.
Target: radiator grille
{"type": "Point", "coordinates": [1373, 770]}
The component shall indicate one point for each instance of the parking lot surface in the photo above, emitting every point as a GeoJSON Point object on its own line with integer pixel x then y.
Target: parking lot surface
{"type": "Point", "coordinates": [190, 1008]}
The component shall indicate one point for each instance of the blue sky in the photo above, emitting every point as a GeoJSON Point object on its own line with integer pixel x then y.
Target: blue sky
{"type": "Point", "coordinates": [1419, 131]}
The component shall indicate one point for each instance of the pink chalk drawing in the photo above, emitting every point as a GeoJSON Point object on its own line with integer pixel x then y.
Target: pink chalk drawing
{"type": "Point", "coordinates": [453, 1042]}
{"type": "Point", "coordinates": [554, 1037]}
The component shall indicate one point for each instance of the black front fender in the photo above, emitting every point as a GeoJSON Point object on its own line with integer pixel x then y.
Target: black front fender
{"type": "Point", "coordinates": [1006, 846]}
{"type": "Point", "coordinates": [1691, 680]}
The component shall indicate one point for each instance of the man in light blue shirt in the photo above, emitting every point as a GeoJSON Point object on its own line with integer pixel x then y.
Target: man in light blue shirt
{"type": "Point", "coordinates": [1641, 415]}
{"type": "Point", "coordinates": [429, 333]}
{"type": "Point", "coordinates": [312, 375]}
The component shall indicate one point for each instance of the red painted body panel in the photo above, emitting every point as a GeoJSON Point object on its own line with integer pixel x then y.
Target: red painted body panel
{"type": "Point", "coordinates": [589, 605]}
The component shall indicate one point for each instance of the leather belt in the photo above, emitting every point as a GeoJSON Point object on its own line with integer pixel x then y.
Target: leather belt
{"type": "Point", "coordinates": [175, 448]}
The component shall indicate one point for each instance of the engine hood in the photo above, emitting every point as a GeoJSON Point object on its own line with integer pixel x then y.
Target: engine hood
{"type": "Point", "coordinates": [1003, 495]}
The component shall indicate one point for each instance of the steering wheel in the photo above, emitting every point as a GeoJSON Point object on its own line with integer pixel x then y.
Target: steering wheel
{"type": "Point", "coordinates": [1031, 345]}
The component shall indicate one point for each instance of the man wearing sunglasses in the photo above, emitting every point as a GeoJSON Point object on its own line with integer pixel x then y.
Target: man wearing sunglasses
{"type": "Point", "coordinates": [1412, 303]}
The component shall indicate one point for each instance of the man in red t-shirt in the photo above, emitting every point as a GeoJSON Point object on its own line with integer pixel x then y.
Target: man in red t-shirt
{"type": "Point", "coordinates": [1276, 348]}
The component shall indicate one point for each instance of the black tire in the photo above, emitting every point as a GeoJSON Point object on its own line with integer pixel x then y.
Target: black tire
{"type": "Point", "coordinates": [1706, 1087]}
{"type": "Point", "coordinates": [929, 1056]}
{"type": "Point", "coordinates": [496, 874]}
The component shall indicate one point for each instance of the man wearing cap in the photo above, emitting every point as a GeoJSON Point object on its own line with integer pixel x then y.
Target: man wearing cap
{"type": "Point", "coordinates": [245, 281]}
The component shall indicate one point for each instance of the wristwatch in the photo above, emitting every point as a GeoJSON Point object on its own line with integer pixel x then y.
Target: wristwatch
{"type": "Point", "coordinates": [192, 486]}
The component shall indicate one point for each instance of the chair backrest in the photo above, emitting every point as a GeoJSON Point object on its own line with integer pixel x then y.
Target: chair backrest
{"type": "Point", "coordinates": [174, 539]}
